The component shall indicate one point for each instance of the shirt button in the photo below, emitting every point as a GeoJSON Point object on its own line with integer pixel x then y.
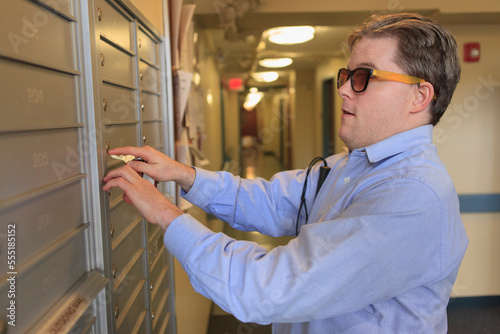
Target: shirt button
{"type": "Point", "coordinates": [346, 179]}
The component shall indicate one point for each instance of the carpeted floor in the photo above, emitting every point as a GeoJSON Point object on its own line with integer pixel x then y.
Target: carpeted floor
{"type": "Point", "coordinates": [227, 324]}
{"type": "Point", "coordinates": [461, 320]}
{"type": "Point", "coordinates": [480, 319]}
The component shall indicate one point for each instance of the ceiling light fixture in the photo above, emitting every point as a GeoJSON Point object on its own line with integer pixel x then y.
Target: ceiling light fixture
{"type": "Point", "coordinates": [290, 35]}
{"type": "Point", "coordinates": [265, 76]}
{"type": "Point", "coordinates": [275, 62]}
{"type": "Point", "coordinates": [252, 99]}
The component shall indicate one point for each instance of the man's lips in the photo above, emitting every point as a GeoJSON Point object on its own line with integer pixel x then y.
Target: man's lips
{"type": "Point", "coordinates": [347, 113]}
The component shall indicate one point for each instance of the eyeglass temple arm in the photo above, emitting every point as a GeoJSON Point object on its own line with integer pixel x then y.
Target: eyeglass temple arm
{"type": "Point", "coordinates": [404, 78]}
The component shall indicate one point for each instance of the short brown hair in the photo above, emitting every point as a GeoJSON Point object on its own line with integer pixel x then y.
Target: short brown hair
{"type": "Point", "coordinates": [425, 50]}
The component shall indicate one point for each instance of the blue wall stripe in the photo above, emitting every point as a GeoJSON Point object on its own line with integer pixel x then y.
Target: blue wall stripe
{"type": "Point", "coordinates": [479, 203]}
{"type": "Point", "coordinates": [474, 302]}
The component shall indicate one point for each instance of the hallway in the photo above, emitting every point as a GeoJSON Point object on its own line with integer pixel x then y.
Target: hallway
{"type": "Point", "coordinates": [255, 163]}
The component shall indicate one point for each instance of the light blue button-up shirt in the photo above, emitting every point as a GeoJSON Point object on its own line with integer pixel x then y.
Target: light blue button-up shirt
{"type": "Point", "coordinates": [380, 253]}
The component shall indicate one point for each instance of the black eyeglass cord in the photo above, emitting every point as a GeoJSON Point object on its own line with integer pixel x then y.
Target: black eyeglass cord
{"type": "Point", "coordinates": [323, 173]}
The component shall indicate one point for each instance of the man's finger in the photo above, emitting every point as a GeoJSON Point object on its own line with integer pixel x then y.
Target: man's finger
{"type": "Point", "coordinates": [125, 172]}
{"type": "Point", "coordinates": [140, 166]}
{"type": "Point", "coordinates": [138, 152]}
{"type": "Point", "coordinates": [117, 182]}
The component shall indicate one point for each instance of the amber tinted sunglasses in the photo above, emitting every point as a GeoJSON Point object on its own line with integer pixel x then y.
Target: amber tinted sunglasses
{"type": "Point", "coordinates": [361, 76]}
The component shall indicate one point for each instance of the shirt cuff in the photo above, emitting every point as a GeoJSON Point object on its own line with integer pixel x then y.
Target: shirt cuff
{"type": "Point", "coordinates": [203, 190]}
{"type": "Point", "coordinates": [182, 233]}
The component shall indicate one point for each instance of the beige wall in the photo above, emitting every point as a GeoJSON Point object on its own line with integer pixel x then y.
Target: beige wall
{"type": "Point", "coordinates": [290, 130]}
{"type": "Point", "coordinates": [210, 83]}
{"type": "Point", "coordinates": [468, 135]}
{"type": "Point", "coordinates": [324, 71]}
{"type": "Point", "coordinates": [192, 309]}
{"type": "Point", "coordinates": [305, 125]}
{"type": "Point", "coordinates": [232, 129]}
{"type": "Point", "coordinates": [152, 10]}
{"type": "Point", "coordinates": [468, 140]}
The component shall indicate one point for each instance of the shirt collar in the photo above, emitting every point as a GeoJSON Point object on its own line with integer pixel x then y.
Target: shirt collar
{"type": "Point", "coordinates": [398, 143]}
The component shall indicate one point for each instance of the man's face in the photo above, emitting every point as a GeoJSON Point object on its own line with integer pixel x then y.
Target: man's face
{"type": "Point", "coordinates": [382, 109]}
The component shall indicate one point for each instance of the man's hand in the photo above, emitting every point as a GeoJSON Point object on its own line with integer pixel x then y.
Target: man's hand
{"type": "Point", "coordinates": [155, 207]}
{"type": "Point", "coordinates": [159, 166]}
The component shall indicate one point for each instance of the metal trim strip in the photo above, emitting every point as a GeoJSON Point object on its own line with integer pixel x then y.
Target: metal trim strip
{"type": "Point", "coordinates": [118, 281]}
{"type": "Point", "coordinates": [155, 233]}
{"type": "Point", "coordinates": [157, 120]}
{"type": "Point", "coordinates": [111, 42]}
{"type": "Point", "coordinates": [150, 63]}
{"type": "Point", "coordinates": [160, 278]}
{"type": "Point", "coordinates": [86, 289]}
{"type": "Point", "coordinates": [115, 83]}
{"type": "Point", "coordinates": [140, 321]}
{"type": "Point", "coordinates": [129, 304]}
{"type": "Point", "coordinates": [152, 92]}
{"type": "Point", "coordinates": [157, 259]}
{"type": "Point", "coordinates": [116, 202]}
{"type": "Point", "coordinates": [164, 325]}
{"type": "Point", "coordinates": [109, 123]}
{"type": "Point", "coordinates": [33, 62]}
{"type": "Point", "coordinates": [7, 203]}
{"type": "Point", "coordinates": [43, 128]}
{"type": "Point", "coordinates": [126, 233]}
{"type": "Point", "coordinates": [57, 12]}
{"type": "Point", "coordinates": [47, 251]}
{"type": "Point", "coordinates": [162, 303]}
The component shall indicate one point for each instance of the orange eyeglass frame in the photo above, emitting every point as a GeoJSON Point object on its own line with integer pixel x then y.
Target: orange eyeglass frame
{"type": "Point", "coordinates": [398, 77]}
{"type": "Point", "coordinates": [381, 75]}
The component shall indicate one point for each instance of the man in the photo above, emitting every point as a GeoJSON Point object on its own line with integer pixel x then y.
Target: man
{"type": "Point", "coordinates": [383, 241]}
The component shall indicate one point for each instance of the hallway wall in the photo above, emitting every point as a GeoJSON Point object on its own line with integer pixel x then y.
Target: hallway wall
{"type": "Point", "coordinates": [232, 130]}
{"type": "Point", "coordinates": [468, 140]}
{"type": "Point", "coordinates": [153, 10]}
{"type": "Point", "coordinates": [210, 84]}
{"type": "Point", "coordinates": [304, 123]}
{"type": "Point", "coordinates": [193, 309]}
{"type": "Point", "coordinates": [324, 71]}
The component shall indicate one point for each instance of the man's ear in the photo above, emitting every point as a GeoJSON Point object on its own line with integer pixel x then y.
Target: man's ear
{"type": "Point", "coordinates": [424, 94]}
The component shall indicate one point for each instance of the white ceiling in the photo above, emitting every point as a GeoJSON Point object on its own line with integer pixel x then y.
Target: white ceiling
{"type": "Point", "coordinates": [236, 26]}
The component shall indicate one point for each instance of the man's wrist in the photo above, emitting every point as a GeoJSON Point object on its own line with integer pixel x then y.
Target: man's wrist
{"type": "Point", "coordinates": [189, 176]}
{"type": "Point", "coordinates": [169, 216]}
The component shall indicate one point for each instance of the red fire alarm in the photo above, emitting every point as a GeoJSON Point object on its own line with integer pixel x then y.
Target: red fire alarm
{"type": "Point", "coordinates": [471, 52]}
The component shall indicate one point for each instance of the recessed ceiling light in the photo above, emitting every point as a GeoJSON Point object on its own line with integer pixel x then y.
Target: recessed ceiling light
{"type": "Point", "coordinates": [252, 99]}
{"type": "Point", "coordinates": [290, 35]}
{"type": "Point", "coordinates": [265, 76]}
{"type": "Point", "coordinates": [275, 62]}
